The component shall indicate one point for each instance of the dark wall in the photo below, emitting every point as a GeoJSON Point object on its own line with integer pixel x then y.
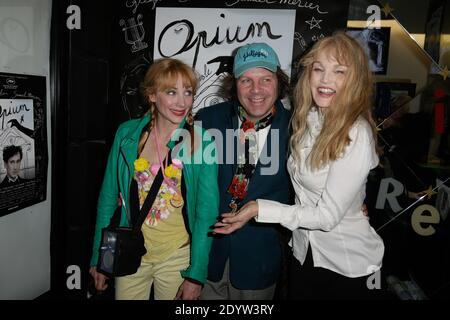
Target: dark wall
{"type": "Point", "coordinates": [80, 60]}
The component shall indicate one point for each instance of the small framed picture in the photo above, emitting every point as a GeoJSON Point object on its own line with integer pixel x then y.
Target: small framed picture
{"type": "Point", "coordinates": [392, 95]}
{"type": "Point", "coordinates": [376, 44]}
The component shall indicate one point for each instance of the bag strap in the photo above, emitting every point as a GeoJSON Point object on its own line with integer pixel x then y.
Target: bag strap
{"type": "Point", "coordinates": [115, 219]}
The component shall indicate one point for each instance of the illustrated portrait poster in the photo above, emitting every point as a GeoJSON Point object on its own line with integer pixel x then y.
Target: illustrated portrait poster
{"type": "Point", "coordinates": [205, 34]}
{"type": "Point", "coordinates": [23, 141]}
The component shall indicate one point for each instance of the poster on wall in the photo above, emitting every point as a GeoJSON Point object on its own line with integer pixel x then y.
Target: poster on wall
{"type": "Point", "coordinates": [375, 43]}
{"type": "Point", "coordinates": [205, 34]}
{"type": "Point", "coordinates": [214, 60]}
{"type": "Point", "coordinates": [23, 141]}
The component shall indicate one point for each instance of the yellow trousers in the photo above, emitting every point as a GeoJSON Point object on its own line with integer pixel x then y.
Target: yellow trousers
{"type": "Point", "coordinates": [164, 276]}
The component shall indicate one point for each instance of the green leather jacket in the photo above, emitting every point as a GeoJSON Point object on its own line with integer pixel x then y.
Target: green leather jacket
{"type": "Point", "coordinates": [202, 193]}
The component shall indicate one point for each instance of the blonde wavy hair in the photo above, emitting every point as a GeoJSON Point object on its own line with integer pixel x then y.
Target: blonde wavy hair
{"type": "Point", "coordinates": [352, 101]}
{"type": "Point", "coordinates": [161, 75]}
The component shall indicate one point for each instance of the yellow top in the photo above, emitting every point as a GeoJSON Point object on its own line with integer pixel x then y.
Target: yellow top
{"type": "Point", "coordinates": [163, 229]}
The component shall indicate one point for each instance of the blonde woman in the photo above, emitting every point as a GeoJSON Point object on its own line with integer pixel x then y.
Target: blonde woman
{"type": "Point", "coordinates": [332, 151]}
{"type": "Point", "coordinates": [176, 226]}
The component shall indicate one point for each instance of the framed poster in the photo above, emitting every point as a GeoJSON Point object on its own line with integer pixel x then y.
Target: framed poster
{"type": "Point", "coordinates": [23, 141]}
{"type": "Point", "coordinates": [376, 44]}
{"type": "Point", "coordinates": [205, 34]}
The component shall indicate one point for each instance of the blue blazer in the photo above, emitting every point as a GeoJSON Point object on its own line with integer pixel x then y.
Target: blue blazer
{"type": "Point", "coordinates": [254, 252]}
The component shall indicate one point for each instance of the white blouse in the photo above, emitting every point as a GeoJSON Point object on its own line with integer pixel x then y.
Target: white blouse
{"type": "Point", "coordinates": [327, 212]}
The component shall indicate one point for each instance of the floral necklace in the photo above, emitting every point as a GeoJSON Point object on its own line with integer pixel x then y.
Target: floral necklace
{"type": "Point", "coordinates": [245, 169]}
{"type": "Point", "coordinates": [169, 197]}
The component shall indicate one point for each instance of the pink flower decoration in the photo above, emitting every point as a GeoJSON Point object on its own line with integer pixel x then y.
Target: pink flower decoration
{"type": "Point", "coordinates": [177, 163]}
{"type": "Point", "coordinates": [154, 169]}
{"type": "Point", "coordinates": [142, 178]}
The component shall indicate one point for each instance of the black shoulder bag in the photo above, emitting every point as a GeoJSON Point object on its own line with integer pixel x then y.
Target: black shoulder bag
{"type": "Point", "coordinates": [122, 248]}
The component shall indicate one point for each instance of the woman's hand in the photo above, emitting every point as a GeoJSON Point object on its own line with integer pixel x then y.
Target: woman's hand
{"type": "Point", "coordinates": [232, 221]}
{"type": "Point", "coordinates": [189, 290]}
{"type": "Point", "coordinates": [99, 279]}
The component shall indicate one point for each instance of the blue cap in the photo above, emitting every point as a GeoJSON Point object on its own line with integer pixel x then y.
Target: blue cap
{"type": "Point", "coordinates": [255, 55]}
